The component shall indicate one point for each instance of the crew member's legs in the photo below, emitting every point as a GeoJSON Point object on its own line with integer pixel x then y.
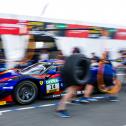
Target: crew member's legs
{"type": "Point", "coordinates": [70, 93]}
{"type": "Point", "coordinates": [87, 94]}
{"type": "Point", "coordinates": [88, 90]}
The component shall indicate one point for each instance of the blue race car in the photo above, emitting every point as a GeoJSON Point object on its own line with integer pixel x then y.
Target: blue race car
{"type": "Point", "coordinates": [24, 86]}
{"type": "Point", "coordinates": [50, 78]}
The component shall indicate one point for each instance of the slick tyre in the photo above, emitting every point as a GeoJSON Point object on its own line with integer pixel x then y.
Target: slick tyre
{"type": "Point", "coordinates": [76, 70]}
{"type": "Point", "coordinates": [25, 92]}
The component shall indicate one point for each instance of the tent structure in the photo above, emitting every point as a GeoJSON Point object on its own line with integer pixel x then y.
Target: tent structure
{"type": "Point", "coordinates": [101, 12]}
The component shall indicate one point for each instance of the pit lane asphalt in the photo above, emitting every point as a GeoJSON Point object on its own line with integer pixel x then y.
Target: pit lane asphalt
{"type": "Point", "coordinates": [93, 114]}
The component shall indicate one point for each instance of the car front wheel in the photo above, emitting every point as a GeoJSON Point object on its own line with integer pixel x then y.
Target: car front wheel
{"type": "Point", "coordinates": [25, 92]}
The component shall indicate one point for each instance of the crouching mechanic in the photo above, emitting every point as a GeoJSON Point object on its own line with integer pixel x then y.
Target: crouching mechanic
{"type": "Point", "coordinates": [102, 78]}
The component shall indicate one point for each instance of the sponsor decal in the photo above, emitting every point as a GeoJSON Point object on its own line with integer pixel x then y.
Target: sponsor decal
{"type": "Point", "coordinates": [12, 26]}
{"type": "Point", "coordinates": [41, 82]}
{"type": "Point", "coordinates": [121, 34]}
{"type": "Point", "coordinates": [95, 32]}
{"type": "Point", "coordinates": [11, 87]}
{"type": "Point", "coordinates": [77, 33]}
{"type": "Point", "coordinates": [8, 21]}
{"type": "Point", "coordinates": [51, 26]}
{"type": "Point", "coordinates": [35, 26]}
{"type": "Point", "coordinates": [112, 32]}
{"type": "Point", "coordinates": [61, 26]}
{"type": "Point", "coordinates": [36, 23]}
{"type": "Point", "coordinates": [3, 102]}
{"type": "Point", "coordinates": [56, 26]}
{"type": "Point", "coordinates": [52, 81]}
{"type": "Point", "coordinates": [52, 85]}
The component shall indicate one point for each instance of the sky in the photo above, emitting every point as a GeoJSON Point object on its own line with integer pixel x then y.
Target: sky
{"type": "Point", "coordinates": [111, 12]}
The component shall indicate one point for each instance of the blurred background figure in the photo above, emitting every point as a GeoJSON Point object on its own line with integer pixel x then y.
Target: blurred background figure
{"type": "Point", "coordinates": [23, 63]}
{"type": "Point", "coordinates": [108, 57]}
{"type": "Point", "coordinates": [94, 58]}
{"type": "Point", "coordinates": [44, 55]}
{"type": "Point", "coordinates": [60, 55]}
{"type": "Point", "coordinates": [122, 59]}
{"type": "Point", "coordinates": [76, 50]}
{"type": "Point", "coordinates": [2, 66]}
{"type": "Point", "coordinates": [121, 66]}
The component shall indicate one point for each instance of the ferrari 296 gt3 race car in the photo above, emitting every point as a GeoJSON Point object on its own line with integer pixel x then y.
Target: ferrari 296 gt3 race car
{"type": "Point", "coordinates": [50, 78]}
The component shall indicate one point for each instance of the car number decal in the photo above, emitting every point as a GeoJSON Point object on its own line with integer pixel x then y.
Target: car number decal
{"type": "Point", "coordinates": [52, 85]}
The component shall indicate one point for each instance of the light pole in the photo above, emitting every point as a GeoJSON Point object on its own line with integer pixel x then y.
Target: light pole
{"type": "Point", "coordinates": [44, 9]}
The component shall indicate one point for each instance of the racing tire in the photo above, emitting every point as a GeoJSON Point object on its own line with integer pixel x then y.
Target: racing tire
{"type": "Point", "coordinates": [76, 70]}
{"type": "Point", "coordinates": [25, 92]}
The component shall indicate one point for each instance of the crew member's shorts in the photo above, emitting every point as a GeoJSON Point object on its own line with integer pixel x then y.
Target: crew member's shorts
{"type": "Point", "coordinates": [108, 75]}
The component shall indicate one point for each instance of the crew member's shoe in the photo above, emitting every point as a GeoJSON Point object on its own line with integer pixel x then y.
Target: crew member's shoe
{"type": "Point", "coordinates": [80, 100]}
{"type": "Point", "coordinates": [112, 98]}
{"type": "Point", "coordinates": [63, 113]}
{"type": "Point", "coordinates": [83, 100]}
{"type": "Point", "coordinates": [86, 100]}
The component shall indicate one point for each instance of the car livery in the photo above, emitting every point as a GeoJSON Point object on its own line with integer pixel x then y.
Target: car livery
{"type": "Point", "coordinates": [23, 87]}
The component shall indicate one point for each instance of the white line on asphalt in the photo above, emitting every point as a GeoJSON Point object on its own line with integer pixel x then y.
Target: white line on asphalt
{"type": "Point", "coordinates": [0, 113]}
{"type": "Point", "coordinates": [47, 105]}
{"type": "Point", "coordinates": [30, 107]}
{"type": "Point", "coordinates": [5, 111]}
{"type": "Point", "coordinates": [26, 108]}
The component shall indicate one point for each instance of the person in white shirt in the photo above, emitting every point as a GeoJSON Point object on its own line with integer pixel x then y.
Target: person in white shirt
{"type": "Point", "coordinates": [44, 55]}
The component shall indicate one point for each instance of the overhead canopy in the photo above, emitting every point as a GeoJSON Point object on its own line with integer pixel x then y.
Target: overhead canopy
{"type": "Point", "coordinates": [103, 12]}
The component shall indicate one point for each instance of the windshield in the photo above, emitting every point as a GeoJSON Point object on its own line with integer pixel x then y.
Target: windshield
{"type": "Point", "coordinates": [35, 69]}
